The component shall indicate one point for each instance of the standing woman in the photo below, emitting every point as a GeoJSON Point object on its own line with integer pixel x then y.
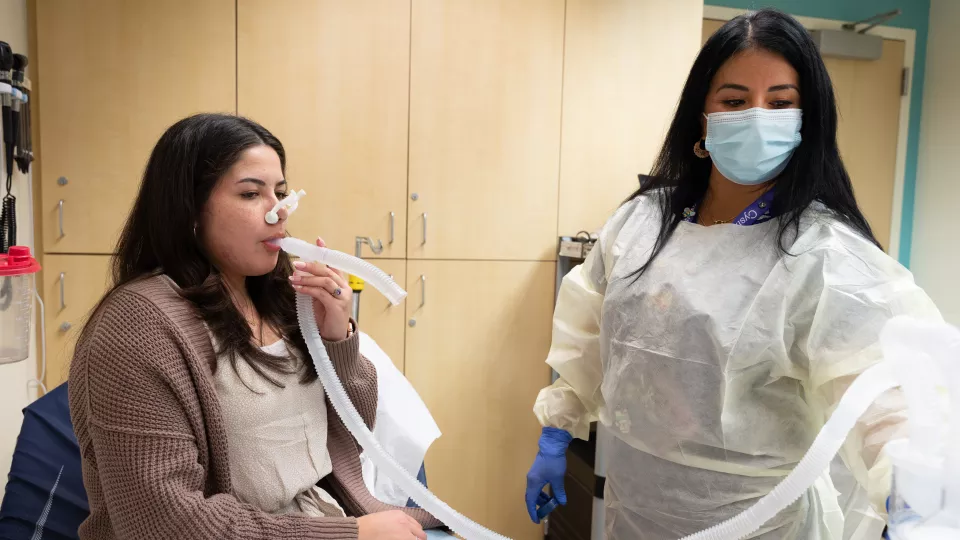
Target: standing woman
{"type": "Point", "coordinates": [197, 408]}
{"type": "Point", "coordinates": [727, 306]}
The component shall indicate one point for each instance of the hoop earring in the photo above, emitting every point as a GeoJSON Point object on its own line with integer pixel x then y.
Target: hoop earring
{"type": "Point", "coordinates": [699, 151]}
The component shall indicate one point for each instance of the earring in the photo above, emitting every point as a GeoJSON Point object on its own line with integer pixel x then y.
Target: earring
{"type": "Point", "coordinates": [699, 151]}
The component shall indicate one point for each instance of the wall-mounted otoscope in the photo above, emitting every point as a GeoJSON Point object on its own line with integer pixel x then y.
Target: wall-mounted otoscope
{"type": "Point", "coordinates": [6, 77]}
{"type": "Point", "coordinates": [23, 153]}
{"type": "Point", "coordinates": [8, 220]}
{"type": "Point", "coordinates": [18, 105]}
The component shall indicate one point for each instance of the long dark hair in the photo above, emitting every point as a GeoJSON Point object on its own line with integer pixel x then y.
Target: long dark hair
{"type": "Point", "coordinates": [679, 180]}
{"type": "Point", "coordinates": [160, 237]}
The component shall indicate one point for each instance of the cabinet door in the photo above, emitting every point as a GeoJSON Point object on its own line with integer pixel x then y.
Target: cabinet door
{"type": "Point", "coordinates": [330, 79]}
{"type": "Point", "coordinates": [615, 116]}
{"type": "Point", "coordinates": [72, 286]}
{"type": "Point", "coordinates": [476, 356]}
{"type": "Point", "coordinates": [114, 76]}
{"type": "Point", "coordinates": [381, 320]}
{"type": "Point", "coordinates": [485, 85]}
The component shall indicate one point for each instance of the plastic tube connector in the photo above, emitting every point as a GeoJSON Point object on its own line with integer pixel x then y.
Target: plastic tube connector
{"type": "Point", "coordinates": [291, 201]}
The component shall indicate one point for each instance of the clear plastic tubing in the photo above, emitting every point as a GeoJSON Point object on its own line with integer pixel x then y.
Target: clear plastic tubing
{"type": "Point", "coordinates": [348, 263]}
{"type": "Point", "coordinates": [341, 401]}
{"type": "Point", "coordinates": [864, 391]}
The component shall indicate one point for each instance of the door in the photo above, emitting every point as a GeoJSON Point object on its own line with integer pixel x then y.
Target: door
{"type": "Point", "coordinates": [330, 79]}
{"type": "Point", "coordinates": [614, 117]}
{"type": "Point", "coordinates": [476, 356]}
{"type": "Point", "coordinates": [868, 100]}
{"type": "Point", "coordinates": [485, 86]}
{"type": "Point", "coordinates": [114, 76]}
{"type": "Point", "coordinates": [868, 96]}
{"type": "Point", "coordinates": [382, 321]}
{"type": "Point", "coordinates": [72, 286]}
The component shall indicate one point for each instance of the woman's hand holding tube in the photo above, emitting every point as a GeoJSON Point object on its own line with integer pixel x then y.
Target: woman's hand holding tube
{"type": "Point", "coordinates": [332, 296]}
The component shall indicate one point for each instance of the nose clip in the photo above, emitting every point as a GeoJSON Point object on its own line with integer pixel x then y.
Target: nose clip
{"type": "Point", "coordinates": [291, 201]}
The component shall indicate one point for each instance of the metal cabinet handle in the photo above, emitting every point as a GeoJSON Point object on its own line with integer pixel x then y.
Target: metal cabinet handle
{"type": "Point", "coordinates": [393, 230]}
{"type": "Point", "coordinates": [60, 216]}
{"type": "Point", "coordinates": [423, 290]}
{"type": "Point", "coordinates": [424, 229]}
{"type": "Point", "coordinates": [412, 323]}
{"type": "Point", "coordinates": [63, 298]}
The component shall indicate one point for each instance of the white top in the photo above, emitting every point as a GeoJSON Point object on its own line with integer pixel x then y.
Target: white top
{"type": "Point", "coordinates": [277, 437]}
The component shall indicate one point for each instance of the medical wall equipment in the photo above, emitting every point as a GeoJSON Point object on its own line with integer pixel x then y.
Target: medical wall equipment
{"type": "Point", "coordinates": [19, 65]}
{"type": "Point", "coordinates": [17, 272]}
{"type": "Point", "coordinates": [8, 219]}
{"type": "Point", "coordinates": [6, 78]}
{"type": "Point", "coordinates": [341, 401]}
{"type": "Point", "coordinates": [291, 202]}
{"type": "Point", "coordinates": [14, 96]}
{"type": "Point", "coordinates": [23, 152]}
{"type": "Point", "coordinates": [922, 359]}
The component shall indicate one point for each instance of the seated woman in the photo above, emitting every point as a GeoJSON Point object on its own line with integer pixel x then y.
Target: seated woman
{"type": "Point", "coordinates": [197, 408]}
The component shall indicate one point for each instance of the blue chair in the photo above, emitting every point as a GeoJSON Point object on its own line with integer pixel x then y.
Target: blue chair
{"type": "Point", "coordinates": [45, 494]}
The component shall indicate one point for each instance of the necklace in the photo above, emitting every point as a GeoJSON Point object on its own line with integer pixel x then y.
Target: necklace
{"type": "Point", "coordinates": [757, 212]}
{"type": "Point", "coordinates": [722, 221]}
{"type": "Point", "coordinates": [690, 214]}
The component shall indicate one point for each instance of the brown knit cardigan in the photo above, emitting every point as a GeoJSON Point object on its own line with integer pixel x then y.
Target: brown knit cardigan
{"type": "Point", "coordinates": [152, 437]}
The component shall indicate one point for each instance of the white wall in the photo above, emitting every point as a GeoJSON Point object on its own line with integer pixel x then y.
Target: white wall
{"type": "Point", "coordinates": [14, 377]}
{"type": "Point", "coordinates": [935, 255]}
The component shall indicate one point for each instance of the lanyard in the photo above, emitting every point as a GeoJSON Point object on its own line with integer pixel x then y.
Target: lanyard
{"type": "Point", "coordinates": [757, 212]}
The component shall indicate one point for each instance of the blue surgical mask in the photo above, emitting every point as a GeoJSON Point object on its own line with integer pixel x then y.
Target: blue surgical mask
{"type": "Point", "coordinates": [753, 146]}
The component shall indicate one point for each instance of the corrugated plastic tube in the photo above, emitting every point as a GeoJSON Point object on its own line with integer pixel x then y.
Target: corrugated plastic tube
{"type": "Point", "coordinates": [348, 263]}
{"type": "Point", "coordinates": [862, 393]}
{"type": "Point", "coordinates": [341, 401]}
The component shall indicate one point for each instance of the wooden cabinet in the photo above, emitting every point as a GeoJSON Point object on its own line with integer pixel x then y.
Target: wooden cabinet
{"type": "Point", "coordinates": [384, 322]}
{"type": "Point", "coordinates": [615, 114]}
{"type": "Point", "coordinates": [330, 79]}
{"type": "Point", "coordinates": [476, 356]}
{"type": "Point", "coordinates": [72, 286]}
{"type": "Point", "coordinates": [114, 75]}
{"type": "Point", "coordinates": [485, 87]}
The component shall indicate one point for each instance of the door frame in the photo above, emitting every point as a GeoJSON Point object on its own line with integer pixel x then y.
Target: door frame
{"type": "Point", "coordinates": [906, 35]}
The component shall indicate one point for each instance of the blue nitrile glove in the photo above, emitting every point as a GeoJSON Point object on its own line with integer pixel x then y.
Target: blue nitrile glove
{"type": "Point", "coordinates": [548, 468]}
{"type": "Point", "coordinates": [886, 529]}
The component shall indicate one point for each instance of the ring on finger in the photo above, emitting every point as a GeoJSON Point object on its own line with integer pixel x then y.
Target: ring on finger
{"type": "Point", "coordinates": [338, 291]}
